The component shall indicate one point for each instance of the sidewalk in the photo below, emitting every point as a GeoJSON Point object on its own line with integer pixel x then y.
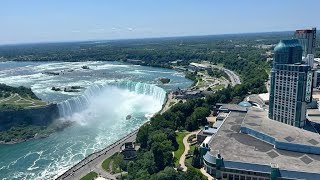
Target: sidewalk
{"type": "Point", "coordinates": [206, 174]}
{"type": "Point", "coordinates": [187, 148]}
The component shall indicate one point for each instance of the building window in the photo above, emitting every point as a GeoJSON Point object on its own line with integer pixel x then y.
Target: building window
{"type": "Point", "coordinates": [230, 177]}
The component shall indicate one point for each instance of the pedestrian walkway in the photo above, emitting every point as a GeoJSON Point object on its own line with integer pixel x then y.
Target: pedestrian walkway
{"type": "Point", "coordinates": [186, 149]}
{"type": "Point", "coordinates": [206, 174]}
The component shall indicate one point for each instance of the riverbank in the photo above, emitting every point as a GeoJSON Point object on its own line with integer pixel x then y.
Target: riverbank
{"type": "Point", "coordinates": [23, 133]}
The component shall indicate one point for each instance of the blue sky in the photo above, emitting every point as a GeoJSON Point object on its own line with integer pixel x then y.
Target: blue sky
{"type": "Point", "coordinates": [24, 21]}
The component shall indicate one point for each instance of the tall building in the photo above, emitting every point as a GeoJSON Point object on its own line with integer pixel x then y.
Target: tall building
{"type": "Point", "coordinates": [291, 84]}
{"type": "Point", "coordinates": [307, 39]}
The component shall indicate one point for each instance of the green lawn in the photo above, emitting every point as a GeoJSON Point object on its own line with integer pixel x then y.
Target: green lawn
{"type": "Point", "coordinates": [12, 100]}
{"type": "Point", "coordinates": [106, 163]}
{"type": "Point", "coordinates": [189, 160]}
{"type": "Point", "coordinates": [180, 150]}
{"type": "Point", "coordinates": [23, 102]}
{"type": "Point", "coordinates": [172, 103]}
{"type": "Point", "coordinates": [217, 87]}
{"type": "Point", "coordinates": [89, 176]}
{"type": "Point", "coordinates": [201, 83]}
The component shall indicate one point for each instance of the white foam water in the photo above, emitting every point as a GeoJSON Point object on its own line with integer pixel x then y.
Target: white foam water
{"type": "Point", "coordinates": [80, 103]}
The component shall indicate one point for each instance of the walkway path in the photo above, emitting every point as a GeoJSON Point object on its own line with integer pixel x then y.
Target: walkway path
{"type": "Point", "coordinates": [186, 149]}
{"type": "Point", "coordinates": [94, 161]}
{"type": "Point", "coordinates": [206, 174]}
{"type": "Point", "coordinates": [8, 98]}
{"type": "Point", "coordinates": [167, 105]}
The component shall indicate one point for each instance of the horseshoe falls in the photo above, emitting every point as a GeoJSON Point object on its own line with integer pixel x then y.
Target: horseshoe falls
{"type": "Point", "coordinates": [109, 92]}
{"type": "Point", "coordinates": [80, 103]}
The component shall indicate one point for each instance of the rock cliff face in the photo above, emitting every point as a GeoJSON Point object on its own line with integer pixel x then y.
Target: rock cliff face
{"type": "Point", "coordinates": [35, 116]}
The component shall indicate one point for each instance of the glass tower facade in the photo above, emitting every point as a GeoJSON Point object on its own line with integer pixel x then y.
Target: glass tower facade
{"type": "Point", "coordinates": [307, 39]}
{"type": "Point", "coordinates": [291, 83]}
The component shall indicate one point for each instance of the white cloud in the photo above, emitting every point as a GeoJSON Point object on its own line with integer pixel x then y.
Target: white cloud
{"type": "Point", "coordinates": [130, 29]}
{"type": "Point", "coordinates": [98, 30]}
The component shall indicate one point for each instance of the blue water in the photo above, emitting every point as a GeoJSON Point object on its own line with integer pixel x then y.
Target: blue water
{"type": "Point", "coordinates": [123, 89]}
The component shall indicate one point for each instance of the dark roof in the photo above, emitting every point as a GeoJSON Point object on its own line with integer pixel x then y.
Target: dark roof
{"type": "Point", "coordinates": [231, 107]}
{"type": "Point", "coordinates": [247, 166]}
{"type": "Point", "coordinates": [299, 175]}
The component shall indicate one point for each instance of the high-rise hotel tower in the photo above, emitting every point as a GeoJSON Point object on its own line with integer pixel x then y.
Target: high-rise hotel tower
{"type": "Point", "coordinates": [291, 83]}
{"type": "Point", "coordinates": [307, 39]}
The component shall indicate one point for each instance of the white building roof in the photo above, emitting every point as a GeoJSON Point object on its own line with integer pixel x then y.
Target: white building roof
{"type": "Point", "coordinates": [206, 141]}
{"type": "Point", "coordinates": [264, 96]}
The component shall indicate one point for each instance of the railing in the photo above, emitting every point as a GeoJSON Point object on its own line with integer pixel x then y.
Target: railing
{"type": "Point", "coordinates": [95, 155]}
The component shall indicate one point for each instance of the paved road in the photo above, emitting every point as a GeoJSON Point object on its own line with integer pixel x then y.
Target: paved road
{"type": "Point", "coordinates": [93, 161]}
{"type": "Point", "coordinates": [234, 78]}
{"type": "Point", "coordinates": [186, 149]}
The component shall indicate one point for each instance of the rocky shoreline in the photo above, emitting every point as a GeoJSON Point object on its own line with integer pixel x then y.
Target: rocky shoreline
{"type": "Point", "coordinates": [44, 132]}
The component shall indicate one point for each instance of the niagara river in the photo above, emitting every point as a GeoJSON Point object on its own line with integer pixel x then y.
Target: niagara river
{"type": "Point", "coordinates": [106, 93]}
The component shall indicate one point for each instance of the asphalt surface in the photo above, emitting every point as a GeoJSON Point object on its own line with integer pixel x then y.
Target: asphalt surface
{"type": "Point", "coordinates": [234, 78]}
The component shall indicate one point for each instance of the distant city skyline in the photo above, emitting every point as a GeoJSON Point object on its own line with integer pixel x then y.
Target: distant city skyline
{"type": "Point", "coordinates": [60, 21]}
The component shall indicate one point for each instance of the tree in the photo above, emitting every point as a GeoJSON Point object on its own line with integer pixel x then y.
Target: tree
{"type": "Point", "coordinates": [162, 153]}
{"type": "Point", "coordinates": [132, 170]}
{"type": "Point", "coordinates": [200, 113]}
{"type": "Point", "coordinates": [142, 136]}
{"type": "Point", "coordinates": [147, 162]}
{"type": "Point", "coordinates": [192, 174]}
{"type": "Point", "coordinates": [191, 124]}
{"type": "Point", "coordinates": [167, 174]}
{"type": "Point", "coordinates": [118, 161]}
{"type": "Point", "coordinates": [196, 158]}
{"type": "Point", "coordinates": [142, 175]}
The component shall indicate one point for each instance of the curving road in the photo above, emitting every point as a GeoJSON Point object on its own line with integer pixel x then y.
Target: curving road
{"type": "Point", "coordinates": [234, 78]}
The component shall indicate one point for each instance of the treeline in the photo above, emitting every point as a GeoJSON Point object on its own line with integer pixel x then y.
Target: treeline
{"type": "Point", "coordinates": [155, 52]}
{"type": "Point", "coordinates": [5, 91]}
{"type": "Point", "coordinates": [218, 73]}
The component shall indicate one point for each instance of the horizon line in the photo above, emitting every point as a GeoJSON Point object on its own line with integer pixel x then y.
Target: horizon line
{"type": "Point", "coordinates": [142, 38]}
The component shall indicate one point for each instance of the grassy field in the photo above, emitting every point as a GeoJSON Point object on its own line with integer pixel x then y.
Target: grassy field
{"type": "Point", "coordinates": [189, 160]}
{"type": "Point", "coordinates": [219, 86]}
{"type": "Point", "coordinates": [16, 100]}
{"type": "Point", "coordinates": [106, 164]}
{"type": "Point", "coordinates": [172, 103]}
{"type": "Point", "coordinates": [180, 150]}
{"type": "Point", "coordinates": [89, 176]}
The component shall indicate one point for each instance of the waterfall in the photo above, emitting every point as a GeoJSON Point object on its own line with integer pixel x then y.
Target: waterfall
{"type": "Point", "coordinates": [80, 103]}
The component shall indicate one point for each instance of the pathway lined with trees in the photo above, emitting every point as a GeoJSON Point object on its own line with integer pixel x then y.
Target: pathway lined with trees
{"type": "Point", "coordinates": [186, 149]}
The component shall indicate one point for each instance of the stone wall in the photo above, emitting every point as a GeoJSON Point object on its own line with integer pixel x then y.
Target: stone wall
{"type": "Point", "coordinates": [35, 116]}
